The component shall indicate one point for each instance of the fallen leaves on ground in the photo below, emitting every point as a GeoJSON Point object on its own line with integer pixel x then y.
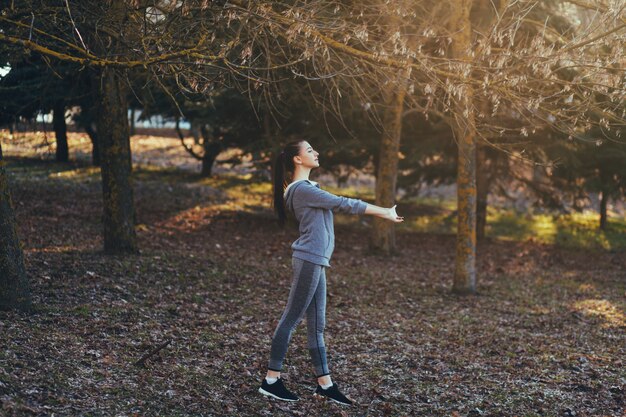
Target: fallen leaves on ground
{"type": "Point", "coordinates": [545, 335]}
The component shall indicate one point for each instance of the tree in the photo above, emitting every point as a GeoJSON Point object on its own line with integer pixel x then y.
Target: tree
{"type": "Point", "coordinates": [20, 91]}
{"type": "Point", "coordinates": [86, 119]}
{"type": "Point", "coordinates": [523, 91]}
{"type": "Point", "coordinates": [464, 131]}
{"type": "Point", "coordinates": [14, 288]}
{"type": "Point", "coordinates": [60, 131]}
{"type": "Point", "coordinates": [383, 233]}
{"type": "Point", "coordinates": [114, 144]}
{"type": "Point", "coordinates": [32, 87]}
{"type": "Point", "coordinates": [592, 166]}
{"type": "Point", "coordinates": [218, 121]}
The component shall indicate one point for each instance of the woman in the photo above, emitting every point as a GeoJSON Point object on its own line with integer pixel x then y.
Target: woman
{"type": "Point", "coordinates": [313, 209]}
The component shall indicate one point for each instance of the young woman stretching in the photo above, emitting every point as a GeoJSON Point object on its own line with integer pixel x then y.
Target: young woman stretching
{"type": "Point", "coordinates": [313, 208]}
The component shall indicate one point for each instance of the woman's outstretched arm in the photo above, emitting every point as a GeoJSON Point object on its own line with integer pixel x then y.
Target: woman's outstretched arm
{"type": "Point", "coordinates": [312, 196]}
{"type": "Point", "coordinates": [383, 213]}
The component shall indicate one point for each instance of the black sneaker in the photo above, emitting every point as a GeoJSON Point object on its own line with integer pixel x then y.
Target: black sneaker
{"type": "Point", "coordinates": [277, 390]}
{"type": "Point", "coordinates": [334, 394]}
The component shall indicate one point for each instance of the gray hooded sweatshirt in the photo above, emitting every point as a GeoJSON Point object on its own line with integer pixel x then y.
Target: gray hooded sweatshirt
{"type": "Point", "coordinates": [313, 208]}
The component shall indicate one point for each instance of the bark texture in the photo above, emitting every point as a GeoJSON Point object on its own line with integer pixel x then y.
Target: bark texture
{"type": "Point", "coordinates": [464, 130]}
{"type": "Point", "coordinates": [14, 289]}
{"type": "Point", "coordinates": [114, 145]}
{"type": "Point", "coordinates": [482, 191]}
{"type": "Point", "coordinates": [60, 131]}
{"type": "Point", "coordinates": [383, 237]}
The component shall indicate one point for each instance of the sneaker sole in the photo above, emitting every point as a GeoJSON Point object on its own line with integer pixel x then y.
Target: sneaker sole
{"type": "Point", "coordinates": [331, 399]}
{"type": "Point", "coordinates": [269, 394]}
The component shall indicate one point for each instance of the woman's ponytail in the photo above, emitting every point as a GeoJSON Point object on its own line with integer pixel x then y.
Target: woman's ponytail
{"type": "Point", "coordinates": [284, 168]}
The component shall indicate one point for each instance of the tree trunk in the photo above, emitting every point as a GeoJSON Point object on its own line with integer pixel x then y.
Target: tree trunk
{"type": "Point", "coordinates": [465, 265]}
{"type": "Point", "coordinates": [114, 141]}
{"type": "Point", "coordinates": [60, 131]}
{"type": "Point", "coordinates": [211, 149]}
{"type": "Point", "coordinates": [95, 147]}
{"type": "Point", "coordinates": [194, 130]}
{"type": "Point", "coordinates": [383, 238]}
{"type": "Point", "coordinates": [604, 197]}
{"type": "Point", "coordinates": [14, 289]}
{"type": "Point", "coordinates": [465, 268]}
{"type": "Point", "coordinates": [86, 121]}
{"type": "Point", "coordinates": [482, 191]}
{"type": "Point", "coordinates": [132, 121]}
{"type": "Point", "coordinates": [208, 159]}
{"type": "Point", "coordinates": [483, 15]}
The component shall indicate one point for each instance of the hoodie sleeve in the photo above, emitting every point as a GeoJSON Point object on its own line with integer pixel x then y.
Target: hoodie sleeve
{"type": "Point", "coordinates": [311, 196]}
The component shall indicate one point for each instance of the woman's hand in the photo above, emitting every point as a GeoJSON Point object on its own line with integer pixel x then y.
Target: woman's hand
{"type": "Point", "coordinates": [384, 213]}
{"type": "Point", "coordinates": [393, 216]}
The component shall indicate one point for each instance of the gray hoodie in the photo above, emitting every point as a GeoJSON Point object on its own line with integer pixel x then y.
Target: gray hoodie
{"type": "Point", "coordinates": [313, 208]}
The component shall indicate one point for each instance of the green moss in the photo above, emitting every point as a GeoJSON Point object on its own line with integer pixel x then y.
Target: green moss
{"type": "Point", "coordinates": [198, 299]}
{"type": "Point", "coordinates": [82, 310]}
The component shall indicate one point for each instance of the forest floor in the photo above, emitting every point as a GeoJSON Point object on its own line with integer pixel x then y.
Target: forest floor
{"type": "Point", "coordinates": [544, 336]}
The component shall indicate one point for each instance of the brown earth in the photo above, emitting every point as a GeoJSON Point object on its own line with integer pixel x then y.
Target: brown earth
{"type": "Point", "coordinates": [545, 336]}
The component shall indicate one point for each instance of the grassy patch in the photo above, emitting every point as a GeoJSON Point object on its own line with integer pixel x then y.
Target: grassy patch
{"type": "Point", "coordinates": [577, 230]}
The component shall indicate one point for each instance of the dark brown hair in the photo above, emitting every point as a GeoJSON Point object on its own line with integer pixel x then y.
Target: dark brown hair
{"type": "Point", "coordinates": [284, 168]}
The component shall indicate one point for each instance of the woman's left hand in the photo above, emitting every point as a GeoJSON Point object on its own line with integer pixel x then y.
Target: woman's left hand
{"type": "Point", "coordinates": [393, 216]}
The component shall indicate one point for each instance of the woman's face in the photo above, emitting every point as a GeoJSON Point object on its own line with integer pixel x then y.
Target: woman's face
{"type": "Point", "coordinates": [308, 157]}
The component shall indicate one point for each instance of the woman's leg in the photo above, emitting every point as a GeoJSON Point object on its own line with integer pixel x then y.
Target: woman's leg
{"type": "Point", "coordinates": [316, 322]}
{"type": "Point", "coordinates": [306, 276]}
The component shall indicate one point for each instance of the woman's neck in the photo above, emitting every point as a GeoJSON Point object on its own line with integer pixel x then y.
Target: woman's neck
{"type": "Point", "coordinates": [301, 173]}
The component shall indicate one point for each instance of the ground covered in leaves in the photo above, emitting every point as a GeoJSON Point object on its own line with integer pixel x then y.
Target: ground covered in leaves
{"type": "Point", "coordinates": [545, 336]}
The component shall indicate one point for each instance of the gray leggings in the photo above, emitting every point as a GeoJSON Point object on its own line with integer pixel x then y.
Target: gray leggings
{"type": "Point", "coordinates": [307, 295]}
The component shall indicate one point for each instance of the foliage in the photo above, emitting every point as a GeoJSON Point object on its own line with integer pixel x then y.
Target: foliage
{"type": "Point", "coordinates": [595, 165]}
{"type": "Point", "coordinates": [527, 78]}
{"type": "Point", "coordinates": [536, 76]}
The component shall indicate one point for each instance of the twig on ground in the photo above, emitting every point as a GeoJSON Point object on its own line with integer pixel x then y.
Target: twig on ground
{"type": "Point", "coordinates": [144, 358]}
